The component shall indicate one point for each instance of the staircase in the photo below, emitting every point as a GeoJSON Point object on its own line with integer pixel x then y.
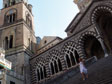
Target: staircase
{"type": "Point", "coordinates": [99, 72]}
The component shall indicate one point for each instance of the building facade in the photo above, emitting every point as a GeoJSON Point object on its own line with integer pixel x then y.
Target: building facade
{"type": "Point", "coordinates": [89, 34]}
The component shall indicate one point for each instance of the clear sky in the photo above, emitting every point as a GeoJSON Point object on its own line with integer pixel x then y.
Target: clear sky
{"type": "Point", "coordinates": [51, 17]}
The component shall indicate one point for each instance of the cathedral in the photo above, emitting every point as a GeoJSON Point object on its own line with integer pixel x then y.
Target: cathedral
{"type": "Point", "coordinates": [36, 61]}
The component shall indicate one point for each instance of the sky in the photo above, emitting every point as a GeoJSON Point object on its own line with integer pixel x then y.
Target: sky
{"type": "Point", "coordinates": [51, 17]}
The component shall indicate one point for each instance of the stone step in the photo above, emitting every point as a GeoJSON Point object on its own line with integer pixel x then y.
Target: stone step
{"type": "Point", "coordinates": [100, 72]}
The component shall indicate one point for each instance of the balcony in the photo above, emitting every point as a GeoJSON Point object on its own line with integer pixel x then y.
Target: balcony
{"type": "Point", "coordinates": [4, 64]}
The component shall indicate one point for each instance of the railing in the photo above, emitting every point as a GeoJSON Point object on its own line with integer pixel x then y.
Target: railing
{"type": "Point", "coordinates": [5, 63]}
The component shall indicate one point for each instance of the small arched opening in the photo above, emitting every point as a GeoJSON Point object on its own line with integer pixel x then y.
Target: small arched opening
{"type": "Point", "coordinates": [72, 59]}
{"type": "Point", "coordinates": [52, 68]}
{"type": "Point", "coordinates": [41, 72]}
{"type": "Point", "coordinates": [68, 61]}
{"type": "Point", "coordinates": [60, 65]}
{"type": "Point", "coordinates": [38, 75]}
{"type": "Point", "coordinates": [56, 67]}
{"type": "Point", "coordinates": [45, 75]}
{"type": "Point", "coordinates": [76, 56]}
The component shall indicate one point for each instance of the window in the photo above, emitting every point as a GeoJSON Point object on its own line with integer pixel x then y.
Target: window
{"type": "Point", "coordinates": [45, 42]}
{"type": "Point", "coordinates": [13, 2]}
{"type": "Point", "coordinates": [5, 5]}
{"type": "Point", "coordinates": [10, 16]}
{"type": "Point", "coordinates": [11, 82]}
{"type": "Point", "coordinates": [11, 41]}
{"type": "Point", "coordinates": [8, 43]}
{"type": "Point", "coordinates": [28, 20]}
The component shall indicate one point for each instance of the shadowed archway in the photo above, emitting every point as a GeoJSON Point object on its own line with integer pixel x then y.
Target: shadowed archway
{"type": "Point", "coordinates": [92, 47]}
{"type": "Point", "coordinates": [102, 18]}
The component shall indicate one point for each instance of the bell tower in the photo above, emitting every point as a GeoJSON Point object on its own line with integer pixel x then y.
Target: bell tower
{"type": "Point", "coordinates": [17, 36]}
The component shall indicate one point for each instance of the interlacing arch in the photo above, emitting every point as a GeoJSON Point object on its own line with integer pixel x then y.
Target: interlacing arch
{"type": "Point", "coordinates": [71, 54]}
{"type": "Point", "coordinates": [99, 10]}
{"type": "Point", "coordinates": [70, 43]}
{"type": "Point", "coordinates": [55, 62]}
{"type": "Point", "coordinates": [40, 69]}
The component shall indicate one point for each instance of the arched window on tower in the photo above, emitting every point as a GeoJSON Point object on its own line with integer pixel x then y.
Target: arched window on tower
{"type": "Point", "coordinates": [6, 43]}
{"type": "Point", "coordinates": [11, 16]}
{"type": "Point", "coordinates": [13, 2]}
{"type": "Point", "coordinates": [28, 20]}
{"type": "Point", "coordinates": [5, 6]}
{"type": "Point", "coordinates": [11, 41]}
